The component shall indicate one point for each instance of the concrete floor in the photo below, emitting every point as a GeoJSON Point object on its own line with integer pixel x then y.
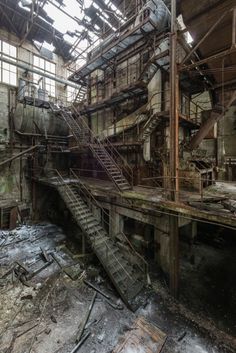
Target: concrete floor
{"type": "Point", "coordinates": [52, 306]}
{"type": "Point", "coordinates": [208, 283]}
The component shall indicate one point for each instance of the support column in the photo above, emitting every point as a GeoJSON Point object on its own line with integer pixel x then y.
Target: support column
{"type": "Point", "coordinates": [174, 255]}
{"type": "Point", "coordinates": [174, 154]}
{"type": "Point", "coordinates": [97, 212]}
{"type": "Point", "coordinates": [116, 222]}
{"type": "Point", "coordinates": [162, 244]}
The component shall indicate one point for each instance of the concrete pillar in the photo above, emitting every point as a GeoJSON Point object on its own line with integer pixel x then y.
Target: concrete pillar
{"type": "Point", "coordinates": [116, 222]}
{"type": "Point", "coordinates": [97, 212]}
{"type": "Point", "coordinates": [162, 244]}
{"type": "Point", "coordinates": [193, 229]}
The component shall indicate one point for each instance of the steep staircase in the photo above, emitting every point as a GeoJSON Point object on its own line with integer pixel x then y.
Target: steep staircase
{"type": "Point", "coordinates": [127, 280]}
{"type": "Point", "coordinates": [103, 151]}
{"type": "Point", "coordinates": [81, 94]}
{"type": "Point", "coordinates": [149, 127]}
{"type": "Point", "coordinates": [113, 170]}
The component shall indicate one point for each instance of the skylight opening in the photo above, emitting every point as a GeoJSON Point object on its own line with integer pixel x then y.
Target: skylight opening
{"type": "Point", "coordinates": [44, 45]}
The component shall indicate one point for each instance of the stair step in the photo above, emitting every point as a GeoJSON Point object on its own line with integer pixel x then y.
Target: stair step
{"type": "Point", "coordinates": [123, 184]}
{"type": "Point", "coordinates": [117, 264]}
{"type": "Point", "coordinates": [113, 168]}
{"type": "Point", "coordinates": [85, 213]}
{"type": "Point", "coordinates": [114, 252]}
{"type": "Point", "coordinates": [123, 280]}
{"type": "Point", "coordinates": [118, 178]}
{"type": "Point", "coordinates": [94, 230]}
{"type": "Point", "coordinates": [100, 241]}
{"type": "Point", "coordinates": [78, 205]}
{"type": "Point", "coordinates": [94, 227]}
{"type": "Point", "coordinates": [126, 188]}
{"type": "Point", "coordinates": [86, 220]}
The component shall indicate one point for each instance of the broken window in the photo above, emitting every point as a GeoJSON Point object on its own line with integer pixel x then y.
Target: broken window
{"type": "Point", "coordinates": [8, 72]}
{"type": "Point", "coordinates": [46, 67]}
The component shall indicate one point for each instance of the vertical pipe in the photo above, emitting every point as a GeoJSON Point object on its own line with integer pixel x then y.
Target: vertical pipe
{"type": "Point", "coordinates": [174, 155]}
{"type": "Point", "coordinates": [21, 176]}
{"type": "Point", "coordinates": [234, 29]}
{"type": "Point", "coordinates": [174, 115]}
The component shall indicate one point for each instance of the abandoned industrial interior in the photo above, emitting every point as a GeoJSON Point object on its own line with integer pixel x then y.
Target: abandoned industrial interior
{"type": "Point", "coordinates": [117, 176]}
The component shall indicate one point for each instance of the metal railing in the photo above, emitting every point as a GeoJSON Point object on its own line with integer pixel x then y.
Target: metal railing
{"type": "Point", "coordinates": [73, 199]}
{"type": "Point", "coordinates": [196, 113]}
{"type": "Point", "coordinates": [106, 146]}
{"type": "Point", "coordinates": [89, 195]}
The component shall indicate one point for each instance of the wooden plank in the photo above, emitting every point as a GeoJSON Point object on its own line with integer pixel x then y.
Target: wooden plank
{"type": "Point", "coordinates": [144, 337]}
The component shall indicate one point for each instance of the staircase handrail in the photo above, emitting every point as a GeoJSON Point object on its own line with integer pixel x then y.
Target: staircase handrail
{"type": "Point", "coordinates": [136, 253]}
{"type": "Point", "coordinates": [199, 109]}
{"type": "Point", "coordinates": [109, 146]}
{"type": "Point", "coordinates": [72, 171]}
{"type": "Point", "coordinates": [75, 199]}
{"type": "Point", "coordinates": [98, 204]}
{"type": "Point", "coordinates": [114, 152]}
{"type": "Point", "coordinates": [88, 192]}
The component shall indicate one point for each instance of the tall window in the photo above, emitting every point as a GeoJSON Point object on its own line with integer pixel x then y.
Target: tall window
{"type": "Point", "coordinates": [48, 67]}
{"type": "Point", "coordinates": [8, 72]}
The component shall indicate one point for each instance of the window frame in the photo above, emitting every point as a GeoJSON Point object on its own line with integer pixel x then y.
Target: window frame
{"type": "Point", "coordinates": [47, 83]}
{"type": "Point", "coordinates": [9, 68]}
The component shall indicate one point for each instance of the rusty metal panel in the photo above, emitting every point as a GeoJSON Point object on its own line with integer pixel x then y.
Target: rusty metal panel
{"type": "Point", "coordinates": [144, 337]}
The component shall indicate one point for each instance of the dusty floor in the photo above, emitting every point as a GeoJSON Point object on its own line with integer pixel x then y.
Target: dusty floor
{"type": "Point", "coordinates": [43, 314]}
{"type": "Point", "coordinates": [208, 280]}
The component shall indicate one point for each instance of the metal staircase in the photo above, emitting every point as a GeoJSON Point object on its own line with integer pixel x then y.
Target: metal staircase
{"type": "Point", "coordinates": [149, 127]}
{"type": "Point", "coordinates": [127, 279]}
{"type": "Point", "coordinates": [103, 151]}
{"type": "Point", "coordinates": [81, 94]}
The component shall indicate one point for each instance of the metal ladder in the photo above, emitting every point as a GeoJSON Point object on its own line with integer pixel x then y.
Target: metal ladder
{"type": "Point", "coordinates": [127, 279]}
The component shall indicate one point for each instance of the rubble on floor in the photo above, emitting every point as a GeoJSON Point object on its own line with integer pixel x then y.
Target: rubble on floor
{"type": "Point", "coordinates": [52, 303]}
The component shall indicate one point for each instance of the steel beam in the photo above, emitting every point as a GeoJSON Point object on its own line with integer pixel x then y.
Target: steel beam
{"type": "Point", "coordinates": [205, 36]}
{"type": "Point", "coordinates": [9, 20]}
{"type": "Point", "coordinates": [209, 123]}
{"type": "Point", "coordinates": [27, 67]}
{"type": "Point", "coordinates": [208, 59]}
{"type": "Point", "coordinates": [19, 155]}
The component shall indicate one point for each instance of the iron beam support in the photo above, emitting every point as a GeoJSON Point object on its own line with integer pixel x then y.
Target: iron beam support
{"type": "Point", "coordinates": [209, 123]}
{"type": "Point", "coordinates": [208, 59]}
{"type": "Point", "coordinates": [204, 37]}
